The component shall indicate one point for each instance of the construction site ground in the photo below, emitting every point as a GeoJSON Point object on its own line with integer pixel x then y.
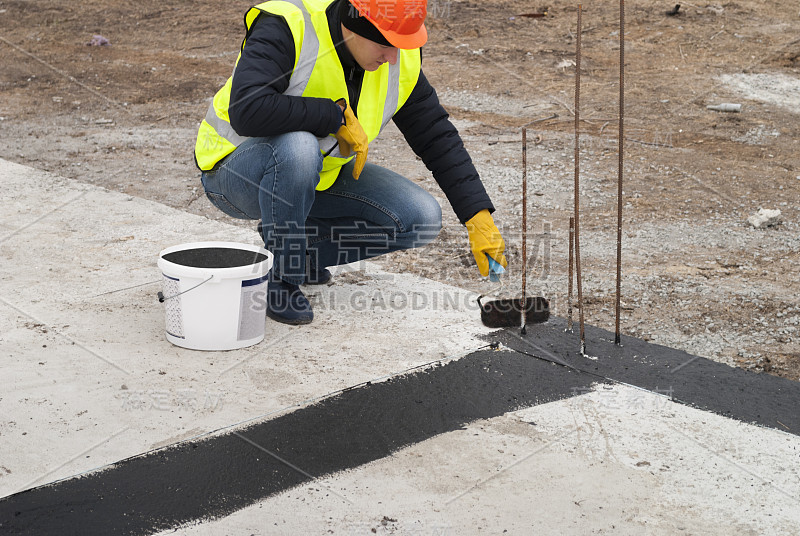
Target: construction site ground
{"type": "Point", "coordinates": [695, 275]}
{"type": "Point", "coordinates": [97, 177]}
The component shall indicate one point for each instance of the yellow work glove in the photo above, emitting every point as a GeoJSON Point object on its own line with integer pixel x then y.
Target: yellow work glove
{"type": "Point", "coordinates": [352, 138]}
{"type": "Point", "coordinates": [485, 239]}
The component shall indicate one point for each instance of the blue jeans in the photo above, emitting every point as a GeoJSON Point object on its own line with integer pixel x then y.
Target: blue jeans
{"type": "Point", "coordinates": [273, 179]}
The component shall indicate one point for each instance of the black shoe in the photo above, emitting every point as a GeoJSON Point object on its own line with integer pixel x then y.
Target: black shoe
{"type": "Point", "coordinates": [286, 303]}
{"type": "Point", "coordinates": [313, 276]}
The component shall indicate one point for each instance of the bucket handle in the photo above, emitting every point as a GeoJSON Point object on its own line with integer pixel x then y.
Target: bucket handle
{"type": "Point", "coordinates": [162, 298]}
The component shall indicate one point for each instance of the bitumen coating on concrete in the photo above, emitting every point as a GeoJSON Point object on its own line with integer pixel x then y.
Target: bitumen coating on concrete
{"type": "Point", "coordinates": [184, 483]}
{"type": "Point", "coordinates": [395, 412]}
{"type": "Point", "coordinates": [358, 426]}
{"type": "Point", "coordinates": [701, 383]}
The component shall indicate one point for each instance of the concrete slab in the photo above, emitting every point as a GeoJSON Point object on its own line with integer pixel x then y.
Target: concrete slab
{"type": "Point", "coordinates": [89, 379]}
{"type": "Point", "coordinates": [88, 376]}
{"type": "Point", "coordinates": [616, 460]}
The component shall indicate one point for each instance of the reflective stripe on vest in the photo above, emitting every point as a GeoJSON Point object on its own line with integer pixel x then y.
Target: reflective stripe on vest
{"type": "Point", "coordinates": [317, 72]}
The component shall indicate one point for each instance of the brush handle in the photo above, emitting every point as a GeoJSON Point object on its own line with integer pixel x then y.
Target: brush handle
{"type": "Point", "coordinates": [495, 269]}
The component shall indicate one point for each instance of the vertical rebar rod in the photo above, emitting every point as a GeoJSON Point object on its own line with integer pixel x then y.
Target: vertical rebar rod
{"type": "Point", "coordinates": [621, 157]}
{"type": "Point", "coordinates": [524, 225]}
{"type": "Point", "coordinates": [569, 270]}
{"type": "Point", "coordinates": [577, 181]}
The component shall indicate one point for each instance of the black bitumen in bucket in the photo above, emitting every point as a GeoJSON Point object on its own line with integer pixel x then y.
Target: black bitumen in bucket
{"type": "Point", "coordinates": [214, 257]}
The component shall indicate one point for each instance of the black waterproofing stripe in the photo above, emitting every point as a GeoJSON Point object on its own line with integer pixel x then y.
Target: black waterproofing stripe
{"type": "Point", "coordinates": [216, 476]}
{"type": "Point", "coordinates": [750, 397]}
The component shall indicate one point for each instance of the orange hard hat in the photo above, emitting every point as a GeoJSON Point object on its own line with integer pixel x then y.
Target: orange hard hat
{"type": "Point", "coordinates": [401, 22]}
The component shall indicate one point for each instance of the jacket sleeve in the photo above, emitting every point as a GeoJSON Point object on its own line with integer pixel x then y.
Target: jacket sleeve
{"type": "Point", "coordinates": [427, 128]}
{"type": "Point", "coordinates": [258, 107]}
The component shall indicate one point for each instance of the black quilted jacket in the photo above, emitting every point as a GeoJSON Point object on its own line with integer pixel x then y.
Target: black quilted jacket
{"type": "Point", "coordinates": [260, 109]}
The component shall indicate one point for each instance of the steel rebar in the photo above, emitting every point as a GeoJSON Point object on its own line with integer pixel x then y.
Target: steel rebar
{"type": "Point", "coordinates": [577, 181]}
{"type": "Point", "coordinates": [569, 270]}
{"type": "Point", "coordinates": [621, 157]}
{"type": "Point", "coordinates": [524, 225]}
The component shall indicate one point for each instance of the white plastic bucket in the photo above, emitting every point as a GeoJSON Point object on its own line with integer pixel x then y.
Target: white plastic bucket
{"type": "Point", "coordinates": [215, 294]}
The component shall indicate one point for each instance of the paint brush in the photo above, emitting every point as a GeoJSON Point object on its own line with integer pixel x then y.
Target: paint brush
{"type": "Point", "coordinates": [506, 313]}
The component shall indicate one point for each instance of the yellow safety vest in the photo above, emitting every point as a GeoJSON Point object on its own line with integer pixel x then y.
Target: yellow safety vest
{"type": "Point", "coordinates": [317, 72]}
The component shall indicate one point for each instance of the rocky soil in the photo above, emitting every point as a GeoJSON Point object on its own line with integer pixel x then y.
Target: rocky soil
{"type": "Point", "coordinates": [696, 275]}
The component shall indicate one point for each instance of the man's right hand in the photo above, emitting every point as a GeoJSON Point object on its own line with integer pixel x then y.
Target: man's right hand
{"type": "Point", "coordinates": [352, 138]}
{"type": "Point", "coordinates": [485, 239]}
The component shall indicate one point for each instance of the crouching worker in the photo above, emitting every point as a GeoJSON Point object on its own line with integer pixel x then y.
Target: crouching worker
{"type": "Point", "coordinates": [285, 142]}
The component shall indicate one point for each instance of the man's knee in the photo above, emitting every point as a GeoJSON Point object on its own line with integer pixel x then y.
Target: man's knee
{"type": "Point", "coordinates": [427, 220]}
{"type": "Point", "coordinates": [301, 150]}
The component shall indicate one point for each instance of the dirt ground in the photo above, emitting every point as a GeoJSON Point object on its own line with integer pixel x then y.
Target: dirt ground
{"type": "Point", "coordinates": [695, 275]}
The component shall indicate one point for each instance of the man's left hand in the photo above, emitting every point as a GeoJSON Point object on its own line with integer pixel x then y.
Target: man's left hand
{"type": "Point", "coordinates": [352, 138]}
{"type": "Point", "coordinates": [485, 239]}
